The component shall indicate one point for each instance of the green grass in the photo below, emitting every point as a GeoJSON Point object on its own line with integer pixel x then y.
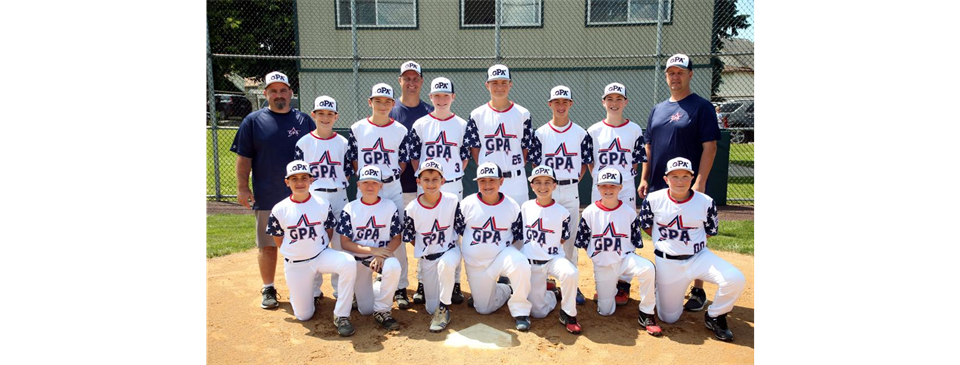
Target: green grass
{"type": "Point", "coordinates": [740, 187]}
{"type": "Point", "coordinates": [735, 236]}
{"type": "Point", "coordinates": [228, 163]}
{"type": "Point", "coordinates": [230, 233]}
{"type": "Point", "coordinates": [741, 154]}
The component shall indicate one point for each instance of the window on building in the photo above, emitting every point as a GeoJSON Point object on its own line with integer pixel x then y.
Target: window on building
{"type": "Point", "coordinates": [615, 12]}
{"type": "Point", "coordinates": [516, 13]}
{"type": "Point", "coordinates": [378, 13]}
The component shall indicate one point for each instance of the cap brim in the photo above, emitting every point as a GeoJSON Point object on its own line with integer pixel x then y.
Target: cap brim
{"type": "Point", "coordinates": [498, 78]}
{"type": "Point", "coordinates": [429, 169]}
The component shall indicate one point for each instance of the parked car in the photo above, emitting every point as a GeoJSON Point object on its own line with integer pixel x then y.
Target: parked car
{"type": "Point", "coordinates": [737, 115]}
{"type": "Point", "coordinates": [232, 106]}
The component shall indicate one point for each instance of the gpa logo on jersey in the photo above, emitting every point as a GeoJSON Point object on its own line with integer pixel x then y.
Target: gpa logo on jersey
{"type": "Point", "coordinates": [488, 233]}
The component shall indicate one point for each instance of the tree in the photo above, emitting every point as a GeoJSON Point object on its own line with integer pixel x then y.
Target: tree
{"type": "Point", "coordinates": [251, 27]}
{"type": "Point", "coordinates": [726, 24]}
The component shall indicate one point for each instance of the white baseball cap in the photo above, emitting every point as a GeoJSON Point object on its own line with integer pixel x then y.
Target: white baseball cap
{"type": "Point", "coordinates": [369, 172]}
{"type": "Point", "coordinates": [325, 103]}
{"type": "Point", "coordinates": [614, 88]}
{"type": "Point", "coordinates": [297, 167]}
{"type": "Point", "coordinates": [679, 60]}
{"type": "Point", "coordinates": [498, 72]}
{"type": "Point", "coordinates": [542, 170]}
{"type": "Point", "coordinates": [679, 163]}
{"type": "Point", "coordinates": [276, 76]}
{"type": "Point", "coordinates": [560, 92]}
{"type": "Point", "coordinates": [488, 169]}
{"type": "Point", "coordinates": [441, 85]}
{"type": "Point", "coordinates": [381, 89]}
{"type": "Point", "coordinates": [430, 165]}
{"type": "Point", "coordinates": [609, 176]}
{"type": "Point", "coordinates": [410, 66]}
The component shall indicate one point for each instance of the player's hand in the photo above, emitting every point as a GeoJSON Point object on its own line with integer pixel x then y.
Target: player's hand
{"type": "Point", "coordinates": [245, 197]}
{"type": "Point", "coordinates": [642, 189]}
{"type": "Point", "coordinates": [376, 264]}
{"type": "Point", "coordinates": [700, 186]}
{"type": "Point", "coordinates": [380, 252]}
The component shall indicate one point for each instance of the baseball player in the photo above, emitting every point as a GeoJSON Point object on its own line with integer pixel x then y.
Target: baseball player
{"type": "Point", "coordinates": [500, 132]}
{"type": "Point", "coordinates": [433, 223]}
{"type": "Point", "coordinates": [380, 141]}
{"type": "Point", "coordinates": [301, 225]}
{"type": "Point", "coordinates": [491, 223]}
{"type": "Point", "coordinates": [618, 143]}
{"type": "Point", "coordinates": [438, 136]}
{"type": "Point", "coordinates": [679, 219]}
{"type": "Point", "coordinates": [370, 229]}
{"type": "Point", "coordinates": [327, 153]}
{"type": "Point", "coordinates": [567, 148]}
{"type": "Point", "coordinates": [545, 227]}
{"type": "Point", "coordinates": [605, 235]}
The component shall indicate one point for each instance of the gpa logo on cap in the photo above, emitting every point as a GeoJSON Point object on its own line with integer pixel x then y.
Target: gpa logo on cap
{"type": "Point", "coordinates": [499, 72]}
{"type": "Point", "coordinates": [541, 171]}
{"type": "Point", "coordinates": [299, 167]}
{"type": "Point", "coordinates": [383, 90]}
{"type": "Point", "coordinates": [371, 172]}
{"type": "Point", "coordinates": [276, 77]}
{"type": "Point", "coordinates": [616, 88]}
{"type": "Point", "coordinates": [678, 59]}
{"type": "Point", "coordinates": [431, 164]}
{"type": "Point", "coordinates": [411, 65]}
{"type": "Point", "coordinates": [561, 92]}
{"type": "Point", "coordinates": [609, 176]}
{"type": "Point", "coordinates": [325, 103]}
{"type": "Point", "coordinates": [488, 170]}
{"type": "Point", "coordinates": [441, 85]}
{"type": "Point", "coordinates": [680, 163]}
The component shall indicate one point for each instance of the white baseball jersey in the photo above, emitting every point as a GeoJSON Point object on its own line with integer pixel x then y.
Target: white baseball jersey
{"type": "Point", "coordinates": [501, 136]}
{"type": "Point", "coordinates": [608, 234]}
{"type": "Point", "coordinates": [544, 230]}
{"type": "Point", "coordinates": [433, 229]}
{"type": "Point", "coordinates": [329, 160]}
{"type": "Point", "coordinates": [371, 225]}
{"type": "Point", "coordinates": [679, 227]}
{"type": "Point", "coordinates": [618, 147]}
{"type": "Point", "coordinates": [302, 225]}
{"type": "Point", "coordinates": [565, 150]}
{"type": "Point", "coordinates": [384, 147]}
{"type": "Point", "coordinates": [441, 140]}
{"type": "Point", "coordinates": [488, 229]}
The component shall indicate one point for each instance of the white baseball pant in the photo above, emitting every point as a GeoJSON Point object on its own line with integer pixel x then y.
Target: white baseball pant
{"type": "Point", "coordinates": [628, 194]}
{"type": "Point", "coordinates": [455, 187]}
{"type": "Point", "coordinates": [394, 192]}
{"type": "Point", "coordinates": [630, 266]}
{"type": "Point", "coordinates": [439, 278]}
{"type": "Point", "coordinates": [337, 201]}
{"type": "Point", "coordinates": [674, 276]}
{"type": "Point", "coordinates": [376, 297]}
{"type": "Point", "coordinates": [544, 301]}
{"type": "Point", "coordinates": [516, 187]}
{"type": "Point", "coordinates": [488, 295]}
{"type": "Point", "coordinates": [569, 197]}
{"type": "Point", "coordinates": [301, 277]}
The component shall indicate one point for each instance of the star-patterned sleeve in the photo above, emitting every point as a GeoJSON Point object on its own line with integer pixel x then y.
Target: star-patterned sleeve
{"type": "Point", "coordinates": [298, 153]}
{"type": "Point", "coordinates": [331, 221]}
{"type": "Point", "coordinates": [583, 235]}
{"type": "Point", "coordinates": [565, 233]}
{"type": "Point", "coordinates": [536, 152]}
{"type": "Point", "coordinates": [517, 228]}
{"type": "Point", "coordinates": [409, 230]}
{"type": "Point", "coordinates": [586, 149]}
{"type": "Point", "coordinates": [347, 166]}
{"type": "Point", "coordinates": [527, 134]}
{"type": "Point", "coordinates": [345, 227]}
{"type": "Point", "coordinates": [712, 224]}
{"type": "Point", "coordinates": [414, 144]}
{"type": "Point", "coordinates": [395, 227]}
{"type": "Point", "coordinates": [464, 151]}
{"type": "Point", "coordinates": [273, 226]}
{"type": "Point", "coordinates": [646, 215]}
{"type": "Point", "coordinates": [471, 138]}
{"type": "Point", "coordinates": [352, 152]}
{"type": "Point", "coordinates": [404, 151]}
{"type": "Point", "coordinates": [459, 223]}
{"type": "Point", "coordinates": [635, 237]}
{"type": "Point", "coordinates": [639, 152]}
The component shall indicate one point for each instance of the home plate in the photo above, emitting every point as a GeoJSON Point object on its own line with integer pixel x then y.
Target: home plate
{"type": "Point", "coordinates": [479, 336]}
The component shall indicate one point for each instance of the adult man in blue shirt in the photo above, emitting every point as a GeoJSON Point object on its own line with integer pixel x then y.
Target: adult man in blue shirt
{"type": "Point", "coordinates": [265, 144]}
{"type": "Point", "coordinates": [683, 126]}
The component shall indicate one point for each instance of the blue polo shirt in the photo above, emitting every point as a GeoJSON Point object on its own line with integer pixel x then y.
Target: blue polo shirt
{"type": "Point", "coordinates": [270, 140]}
{"type": "Point", "coordinates": [406, 116]}
{"type": "Point", "coordinates": [679, 129]}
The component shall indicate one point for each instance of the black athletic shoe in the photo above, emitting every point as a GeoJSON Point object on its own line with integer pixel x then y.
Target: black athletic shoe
{"type": "Point", "coordinates": [719, 326]}
{"type": "Point", "coordinates": [386, 320]}
{"type": "Point", "coordinates": [697, 301]}
{"type": "Point", "coordinates": [580, 299]}
{"type": "Point", "coordinates": [401, 298]}
{"type": "Point", "coordinates": [649, 323]}
{"type": "Point", "coordinates": [440, 320]}
{"type": "Point", "coordinates": [523, 323]}
{"type": "Point", "coordinates": [269, 298]}
{"type": "Point", "coordinates": [505, 280]}
{"type": "Point", "coordinates": [418, 296]}
{"type": "Point", "coordinates": [457, 296]}
{"type": "Point", "coordinates": [570, 323]}
{"type": "Point", "coordinates": [343, 326]}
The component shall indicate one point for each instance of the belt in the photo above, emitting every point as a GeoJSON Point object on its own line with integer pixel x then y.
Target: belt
{"type": "Point", "coordinates": [454, 180]}
{"type": "Point", "coordinates": [296, 261]}
{"type": "Point", "coordinates": [326, 190]}
{"type": "Point", "coordinates": [388, 180]}
{"type": "Point", "coordinates": [660, 254]}
{"type": "Point", "coordinates": [510, 174]}
{"type": "Point", "coordinates": [538, 262]}
{"type": "Point", "coordinates": [434, 256]}
{"type": "Point", "coordinates": [567, 182]}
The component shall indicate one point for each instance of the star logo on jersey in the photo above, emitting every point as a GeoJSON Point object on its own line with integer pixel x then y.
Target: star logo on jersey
{"type": "Point", "coordinates": [498, 141]}
{"type": "Point", "coordinates": [536, 233]}
{"type": "Point", "coordinates": [608, 240]}
{"type": "Point", "coordinates": [488, 233]}
{"type": "Point", "coordinates": [439, 147]}
{"type": "Point", "coordinates": [372, 223]}
{"type": "Point", "coordinates": [560, 159]}
{"type": "Point", "coordinates": [378, 146]}
{"type": "Point", "coordinates": [304, 229]}
{"type": "Point", "coordinates": [435, 235]}
{"type": "Point", "coordinates": [370, 231]}
{"type": "Point", "coordinates": [675, 117]}
{"type": "Point", "coordinates": [435, 228]}
{"type": "Point", "coordinates": [293, 132]}
{"type": "Point", "coordinates": [614, 154]}
{"type": "Point", "coordinates": [675, 230]}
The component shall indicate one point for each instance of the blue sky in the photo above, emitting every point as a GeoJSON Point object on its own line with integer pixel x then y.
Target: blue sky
{"type": "Point", "coordinates": [746, 7]}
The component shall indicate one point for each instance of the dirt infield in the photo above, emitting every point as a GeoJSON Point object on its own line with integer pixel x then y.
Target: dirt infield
{"type": "Point", "coordinates": [239, 332]}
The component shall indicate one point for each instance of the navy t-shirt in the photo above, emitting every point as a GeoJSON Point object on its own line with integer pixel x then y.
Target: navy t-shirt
{"type": "Point", "coordinates": [270, 140]}
{"type": "Point", "coordinates": [679, 129]}
{"type": "Point", "coordinates": [406, 116]}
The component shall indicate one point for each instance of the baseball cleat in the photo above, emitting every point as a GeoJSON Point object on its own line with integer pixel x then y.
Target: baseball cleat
{"type": "Point", "coordinates": [386, 320]}
{"type": "Point", "coordinates": [505, 280]}
{"type": "Point", "coordinates": [269, 298]}
{"type": "Point", "coordinates": [457, 296]}
{"type": "Point", "coordinates": [649, 323]}
{"type": "Point", "coordinates": [418, 296]}
{"type": "Point", "coordinates": [470, 302]}
{"type": "Point", "coordinates": [523, 323]}
{"type": "Point", "coordinates": [343, 326]}
{"type": "Point", "coordinates": [440, 319]}
{"type": "Point", "coordinates": [697, 301]}
{"type": "Point", "coordinates": [719, 326]}
{"type": "Point", "coordinates": [401, 298]}
{"type": "Point", "coordinates": [623, 293]}
{"type": "Point", "coordinates": [570, 323]}
{"type": "Point", "coordinates": [581, 300]}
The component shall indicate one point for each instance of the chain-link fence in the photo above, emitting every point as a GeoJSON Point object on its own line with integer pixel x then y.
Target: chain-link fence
{"type": "Point", "coordinates": [327, 49]}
